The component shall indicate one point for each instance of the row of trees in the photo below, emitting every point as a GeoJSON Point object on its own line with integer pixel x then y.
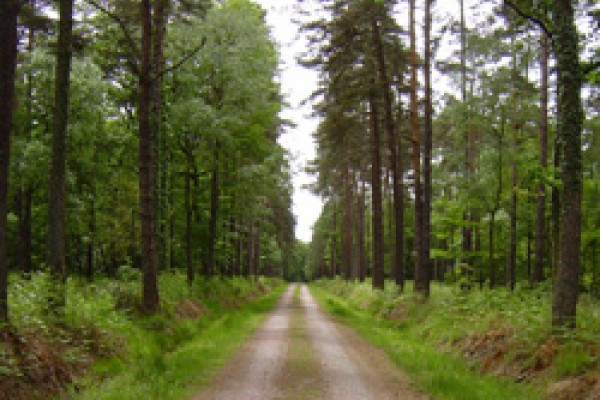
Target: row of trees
{"type": "Point", "coordinates": [190, 85]}
{"type": "Point", "coordinates": [471, 193]}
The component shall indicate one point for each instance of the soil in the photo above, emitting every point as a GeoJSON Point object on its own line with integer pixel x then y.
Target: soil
{"type": "Point", "coordinates": [300, 354]}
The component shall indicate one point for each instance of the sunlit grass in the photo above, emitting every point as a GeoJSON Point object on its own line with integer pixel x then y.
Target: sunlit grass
{"type": "Point", "coordinates": [177, 374]}
{"type": "Point", "coordinates": [417, 332]}
{"type": "Point", "coordinates": [164, 356]}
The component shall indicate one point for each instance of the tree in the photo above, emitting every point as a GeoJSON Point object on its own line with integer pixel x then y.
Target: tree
{"type": "Point", "coordinates": [9, 11]}
{"type": "Point", "coordinates": [385, 88]}
{"type": "Point", "coordinates": [425, 276]}
{"type": "Point", "coordinates": [57, 226]}
{"type": "Point", "coordinates": [570, 121]}
{"type": "Point", "coordinates": [150, 300]}
{"type": "Point", "coordinates": [540, 235]}
{"type": "Point", "coordinates": [421, 274]}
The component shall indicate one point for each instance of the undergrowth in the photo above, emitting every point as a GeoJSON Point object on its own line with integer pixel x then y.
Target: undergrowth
{"type": "Point", "coordinates": [102, 331]}
{"type": "Point", "coordinates": [498, 332]}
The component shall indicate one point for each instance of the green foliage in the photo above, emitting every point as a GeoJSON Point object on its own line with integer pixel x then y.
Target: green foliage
{"type": "Point", "coordinates": [573, 360]}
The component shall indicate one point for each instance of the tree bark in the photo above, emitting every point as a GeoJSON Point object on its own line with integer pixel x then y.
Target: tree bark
{"type": "Point", "coordinates": [570, 121]}
{"type": "Point", "coordinates": [57, 229]}
{"type": "Point", "coordinates": [26, 191]}
{"type": "Point", "coordinates": [250, 252]}
{"type": "Point", "coordinates": [398, 239]}
{"type": "Point", "coordinates": [9, 11]}
{"type": "Point", "coordinates": [556, 207]}
{"type": "Point", "coordinates": [209, 265]}
{"type": "Point", "coordinates": [498, 198]}
{"type": "Point", "coordinates": [512, 257]}
{"type": "Point", "coordinates": [150, 300]}
{"type": "Point", "coordinates": [540, 227]}
{"type": "Point", "coordinates": [466, 231]}
{"type": "Point", "coordinates": [377, 217]}
{"type": "Point", "coordinates": [423, 284]}
{"type": "Point", "coordinates": [333, 249]}
{"type": "Point", "coordinates": [362, 258]}
{"type": "Point", "coordinates": [399, 211]}
{"type": "Point", "coordinates": [188, 228]}
{"type": "Point", "coordinates": [347, 220]}
{"type": "Point", "coordinates": [257, 264]}
{"type": "Point", "coordinates": [420, 272]}
{"type": "Point", "coordinates": [91, 239]}
{"type": "Point", "coordinates": [160, 147]}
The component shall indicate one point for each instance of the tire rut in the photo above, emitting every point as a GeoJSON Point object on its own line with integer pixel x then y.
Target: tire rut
{"type": "Point", "coordinates": [300, 354]}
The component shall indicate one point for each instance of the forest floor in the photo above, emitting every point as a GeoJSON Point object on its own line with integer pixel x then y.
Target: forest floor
{"type": "Point", "coordinates": [300, 354]}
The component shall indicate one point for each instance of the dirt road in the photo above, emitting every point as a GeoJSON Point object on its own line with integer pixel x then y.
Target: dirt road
{"type": "Point", "coordinates": [300, 354]}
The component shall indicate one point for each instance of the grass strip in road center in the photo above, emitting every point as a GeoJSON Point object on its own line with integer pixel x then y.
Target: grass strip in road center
{"type": "Point", "coordinates": [301, 377]}
{"type": "Point", "coordinates": [443, 375]}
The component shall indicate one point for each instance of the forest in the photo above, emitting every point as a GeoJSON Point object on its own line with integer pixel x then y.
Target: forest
{"type": "Point", "coordinates": [491, 182]}
{"type": "Point", "coordinates": [146, 201]}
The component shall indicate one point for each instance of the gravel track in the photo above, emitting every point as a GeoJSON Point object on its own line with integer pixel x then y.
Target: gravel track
{"type": "Point", "coordinates": [300, 354]}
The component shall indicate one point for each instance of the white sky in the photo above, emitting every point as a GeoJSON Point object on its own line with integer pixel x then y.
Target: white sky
{"type": "Point", "coordinates": [297, 85]}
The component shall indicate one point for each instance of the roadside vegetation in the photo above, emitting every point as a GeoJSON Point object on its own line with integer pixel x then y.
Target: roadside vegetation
{"type": "Point", "coordinates": [103, 347]}
{"type": "Point", "coordinates": [474, 344]}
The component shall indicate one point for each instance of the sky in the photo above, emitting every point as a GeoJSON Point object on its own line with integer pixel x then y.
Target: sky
{"type": "Point", "coordinates": [297, 84]}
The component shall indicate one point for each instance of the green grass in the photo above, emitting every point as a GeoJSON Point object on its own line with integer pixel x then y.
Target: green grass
{"type": "Point", "coordinates": [572, 361]}
{"type": "Point", "coordinates": [165, 356]}
{"type": "Point", "coordinates": [180, 372]}
{"type": "Point", "coordinates": [442, 374]}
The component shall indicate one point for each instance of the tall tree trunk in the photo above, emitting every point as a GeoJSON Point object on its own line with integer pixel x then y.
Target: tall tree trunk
{"type": "Point", "coordinates": [423, 283]}
{"type": "Point", "coordinates": [188, 228]}
{"type": "Point", "coordinates": [420, 272]}
{"type": "Point", "coordinates": [250, 252]}
{"type": "Point", "coordinates": [160, 151]}
{"type": "Point", "coordinates": [150, 300]}
{"type": "Point", "coordinates": [9, 9]}
{"type": "Point", "coordinates": [333, 248]}
{"type": "Point", "coordinates": [57, 229]}
{"type": "Point", "coordinates": [512, 257]}
{"type": "Point", "coordinates": [556, 207]}
{"type": "Point", "coordinates": [209, 266]}
{"type": "Point", "coordinates": [257, 264]}
{"type": "Point", "coordinates": [498, 198]}
{"type": "Point", "coordinates": [570, 121]}
{"type": "Point", "coordinates": [91, 239]}
{"type": "Point", "coordinates": [399, 200]}
{"type": "Point", "coordinates": [540, 228]}
{"type": "Point", "coordinates": [171, 198]}
{"type": "Point", "coordinates": [362, 258]}
{"type": "Point", "coordinates": [347, 219]}
{"type": "Point", "coordinates": [396, 252]}
{"type": "Point", "coordinates": [466, 231]}
{"type": "Point", "coordinates": [492, 264]}
{"type": "Point", "coordinates": [238, 249]}
{"type": "Point", "coordinates": [25, 230]}
{"type": "Point", "coordinates": [377, 217]}
{"type": "Point", "coordinates": [26, 191]}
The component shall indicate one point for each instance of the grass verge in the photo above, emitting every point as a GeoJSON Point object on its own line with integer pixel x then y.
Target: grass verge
{"type": "Point", "coordinates": [181, 370]}
{"type": "Point", "coordinates": [444, 375]}
{"type": "Point", "coordinates": [100, 346]}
